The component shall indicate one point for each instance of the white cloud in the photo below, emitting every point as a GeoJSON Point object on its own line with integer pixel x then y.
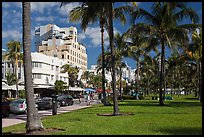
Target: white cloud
{"type": "Point", "coordinates": [12, 34]}
{"type": "Point", "coordinates": [42, 19]}
{"type": "Point", "coordinates": [94, 34]}
{"type": "Point", "coordinates": [41, 6]}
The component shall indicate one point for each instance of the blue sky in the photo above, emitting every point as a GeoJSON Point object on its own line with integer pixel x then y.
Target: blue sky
{"type": "Point", "coordinates": [43, 13]}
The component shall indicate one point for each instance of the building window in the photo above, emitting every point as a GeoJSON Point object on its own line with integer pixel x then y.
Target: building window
{"type": "Point", "coordinates": [71, 32]}
{"type": "Point", "coordinates": [67, 56]}
{"type": "Point", "coordinates": [36, 64]}
{"type": "Point", "coordinates": [36, 76]}
{"type": "Point", "coordinates": [52, 77]}
{"type": "Point", "coordinates": [62, 56]}
{"type": "Point", "coordinates": [52, 67]}
{"type": "Point", "coordinates": [57, 68]}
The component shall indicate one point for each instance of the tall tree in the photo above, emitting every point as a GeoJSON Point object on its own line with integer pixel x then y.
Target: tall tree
{"type": "Point", "coordinates": [163, 24]}
{"type": "Point", "coordinates": [10, 78]}
{"type": "Point", "coordinates": [88, 13]}
{"type": "Point", "coordinates": [14, 55]}
{"type": "Point", "coordinates": [33, 121]}
{"type": "Point", "coordinates": [109, 16]}
{"type": "Point", "coordinates": [139, 46]}
{"type": "Point", "coordinates": [195, 51]}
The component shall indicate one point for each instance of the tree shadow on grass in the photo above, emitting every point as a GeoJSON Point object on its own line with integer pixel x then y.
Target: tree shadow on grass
{"type": "Point", "coordinates": [191, 98]}
{"type": "Point", "coordinates": [183, 104]}
{"type": "Point", "coordinates": [46, 131]}
{"type": "Point", "coordinates": [156, 103]}
{"type": "Point", "coordinates": [139, 103]}
{"type": "Point", "coordinates": [181, 130]}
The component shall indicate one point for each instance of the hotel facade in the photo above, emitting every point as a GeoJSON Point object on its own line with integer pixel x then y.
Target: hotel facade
{"type": "Point", "coordinates": [45, 69]}
{"type": "Point", "coordinates": [62, 43]}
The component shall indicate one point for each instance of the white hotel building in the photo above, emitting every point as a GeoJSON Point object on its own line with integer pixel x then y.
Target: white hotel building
{"type": "Point", "coordinates": [62, 43]}
{"type": "Point", "coordinates": [45, 69]}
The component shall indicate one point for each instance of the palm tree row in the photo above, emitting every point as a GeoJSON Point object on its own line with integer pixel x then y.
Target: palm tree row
{"type": "Point", "coordinates": [163, 25]}
{"type": "Point", "coordinates": [161, 28]}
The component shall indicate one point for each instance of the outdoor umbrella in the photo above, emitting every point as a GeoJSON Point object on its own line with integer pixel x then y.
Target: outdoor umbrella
{"type": "Point", "coordinates": [89, 90]}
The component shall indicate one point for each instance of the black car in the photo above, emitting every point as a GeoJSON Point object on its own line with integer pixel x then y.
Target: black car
{"type": "Point", "coordinates": [65, 100]}
{"type": "Point", "coordinates": [5, 107]}
{"type": "Point", "coordinates": [46, 103]}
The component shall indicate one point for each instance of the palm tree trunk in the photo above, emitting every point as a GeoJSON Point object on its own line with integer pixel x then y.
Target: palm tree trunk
{"type": "Point", "coordinates": [138, 72]}
{"type": "Point", "coordinates": [120, 84]}
{"type": "Point", "coordinates": [33, 122]}
{"type": "Point", "coordinates": [68, 80]}
{"type": "Point", "coordinates": [16, 72]}
{"type": "Point", "coordinates": [103, 62]}
{"type": "Point", "coordinates": [111, 39]}
{"type": "Point", "coordinates": [161, 103]}
{"type": "Point", "coordinates": [200, 81]}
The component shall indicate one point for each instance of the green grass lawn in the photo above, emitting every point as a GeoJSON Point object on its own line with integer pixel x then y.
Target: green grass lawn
{"type": "Point", "coordinates": [181, 116]}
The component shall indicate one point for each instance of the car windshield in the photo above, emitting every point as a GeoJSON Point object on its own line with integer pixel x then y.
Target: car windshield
{"type": "Point", "coordinates": [60, 97]}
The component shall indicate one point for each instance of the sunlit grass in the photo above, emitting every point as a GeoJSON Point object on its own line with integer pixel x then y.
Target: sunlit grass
{"type": "Point", "coordinates": [181, 116]}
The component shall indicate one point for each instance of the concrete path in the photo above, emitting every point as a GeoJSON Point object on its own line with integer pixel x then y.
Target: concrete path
{"type": "Point", "coordinates": [16, 119]}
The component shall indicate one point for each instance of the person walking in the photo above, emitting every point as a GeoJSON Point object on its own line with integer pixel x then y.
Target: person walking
{"type": "Point", "coordinates": [79, 96]}
{"type": "Point", "coordinates": [88, 100]}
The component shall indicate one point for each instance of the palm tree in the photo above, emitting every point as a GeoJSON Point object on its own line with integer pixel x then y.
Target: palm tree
{"type": "Point", "coordinates": [195, 50]}
{"type": "Point", "coordinates": [86, 76]}
{"type": "Point", "coordinates": [10, 78]}
{"type": "Point", "coordinates": [33, 121]}
{"type": "Point", "coordinates": [87, 13]}
{"type": "Point", "coordinates": [66, 69]}
{"type": "Point", "coordinates": [139, 46]}
{"type": "Point", "coordinates": [14, 55]}
{"type": "Point", "coordinates": [163, 24]}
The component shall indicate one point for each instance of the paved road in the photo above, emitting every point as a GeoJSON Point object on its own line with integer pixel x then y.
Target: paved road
{"type": "Point", "coordinates": [16, 119]}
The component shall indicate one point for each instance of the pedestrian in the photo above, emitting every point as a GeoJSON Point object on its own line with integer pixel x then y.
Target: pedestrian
{"type": "Point", "coordinates": [91, 95]}
{"type": "Point", "coordinates": [79, 98]}
{"type": "Point", "coordinates": [88, 100]}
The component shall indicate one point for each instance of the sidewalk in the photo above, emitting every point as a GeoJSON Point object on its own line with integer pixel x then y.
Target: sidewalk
{"type": "Point", "coordinates": [16, 119]}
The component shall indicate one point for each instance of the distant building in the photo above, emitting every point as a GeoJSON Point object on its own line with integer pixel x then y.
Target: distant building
{"type": "Point", "coordinates": [45, 69]}
{"type": "Point", "coordinates": [62, 43]}
{"type": "Point", "coordinates": [127, 73]}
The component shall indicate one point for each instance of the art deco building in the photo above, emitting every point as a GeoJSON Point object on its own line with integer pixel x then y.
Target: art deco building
{"type": "Point", "coordinates": [62, 43]}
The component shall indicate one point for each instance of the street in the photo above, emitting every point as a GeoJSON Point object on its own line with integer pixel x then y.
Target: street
{"type": "Point", "coordinates": [16, 119]}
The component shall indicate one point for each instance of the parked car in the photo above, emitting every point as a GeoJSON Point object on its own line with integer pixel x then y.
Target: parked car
{"type": "Point", "coordinates": [5, 107]}
{"type": "Point", "coordinates": [65, 100]}
{"type": "Point", "coordinates": [19, 106]}
{"type": "Point", "coordinates": [46, 103]}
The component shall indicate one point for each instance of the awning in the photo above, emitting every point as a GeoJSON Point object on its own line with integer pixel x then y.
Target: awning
{"type": "Point", "coordinates": [13, 87]}
{"type": "Point", "coordinates": [43, 86]}
{"type": "Point", "coordinates": [5, 86]}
